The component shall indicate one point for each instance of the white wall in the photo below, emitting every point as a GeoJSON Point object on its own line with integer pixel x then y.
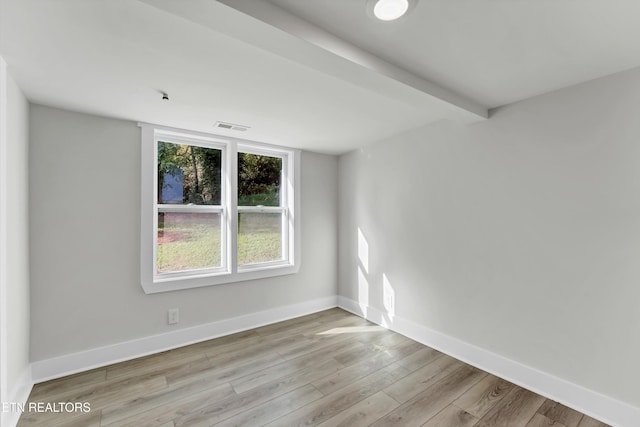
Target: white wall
{"type": "Point", "coordinates": [85, 227]}
{"type": "Point", "coordinates": [14, 325]}
{"type": "Point", "coordinates": [519, 235]}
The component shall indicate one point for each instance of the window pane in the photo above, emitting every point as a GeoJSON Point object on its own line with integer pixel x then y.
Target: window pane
{"type": "Point", "coordinates": [188, 241]}
{"type": "Point", "coordinates": [259, 237]}
{"type": "Point", "coordinates": [259, 180]}
{"type": "Point", "coordinates": [189, 174]}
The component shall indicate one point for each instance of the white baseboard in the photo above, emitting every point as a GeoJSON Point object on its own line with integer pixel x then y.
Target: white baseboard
{"type": "Point", "coordinates": [17, 398]}
{"type": "Point", "coordinates": [594, 404]}
{"type": "Point", "coordinates": [57, 367]}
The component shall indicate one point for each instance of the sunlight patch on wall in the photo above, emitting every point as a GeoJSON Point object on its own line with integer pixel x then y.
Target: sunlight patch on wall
{"type": "Point", "coordinates": [363, 251]}
{"type": "Point", "coordinates": [363, 291]}
{"type": "Point", "coordinates": [388, 297]}
{"type": "Point", "coordinates": [363, 271]}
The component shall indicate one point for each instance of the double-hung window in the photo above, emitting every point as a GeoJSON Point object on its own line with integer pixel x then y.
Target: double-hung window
{"type": "Point", "coordinates": [216, 210]}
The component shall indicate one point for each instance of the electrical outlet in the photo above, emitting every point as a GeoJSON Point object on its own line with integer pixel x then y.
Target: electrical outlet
{"type": "Point", "coordinates": [174, 316]}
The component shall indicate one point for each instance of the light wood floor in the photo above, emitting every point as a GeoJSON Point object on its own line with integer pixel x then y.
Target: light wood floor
{"type": "Point", "coordinates": [328, 369]}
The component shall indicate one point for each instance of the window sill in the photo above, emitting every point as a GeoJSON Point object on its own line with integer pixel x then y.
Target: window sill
{"type": "Point", "coordinates": [179, 283]}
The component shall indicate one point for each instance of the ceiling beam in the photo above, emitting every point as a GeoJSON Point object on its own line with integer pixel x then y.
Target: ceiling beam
{"type": "Point", "coordinates": [294, 25]}
{"type": "Point", "coordinates": [273, 29]}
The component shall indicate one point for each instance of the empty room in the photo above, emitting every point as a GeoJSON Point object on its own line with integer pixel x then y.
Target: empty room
{"type": "Point", "coordinates": [320, 212]}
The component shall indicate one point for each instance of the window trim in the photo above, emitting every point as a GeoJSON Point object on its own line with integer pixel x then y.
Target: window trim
{"type": "Point", "coordinates": [230, 272]}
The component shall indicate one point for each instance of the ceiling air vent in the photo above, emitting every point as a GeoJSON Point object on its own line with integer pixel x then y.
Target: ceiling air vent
{"type": "Point", "coordinates": [231, 126]}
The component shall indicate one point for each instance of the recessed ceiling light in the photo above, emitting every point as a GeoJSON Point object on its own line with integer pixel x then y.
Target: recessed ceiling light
{"type": "Point", "coordinates": [388, 10]}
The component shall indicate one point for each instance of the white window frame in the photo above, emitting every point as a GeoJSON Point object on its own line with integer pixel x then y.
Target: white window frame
{"type": "Point", "coordinates": [229, 272]}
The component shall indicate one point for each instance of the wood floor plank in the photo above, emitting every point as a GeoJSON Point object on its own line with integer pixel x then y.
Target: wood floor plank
{"type": "Point", "coordinates": [212, 412]}
{"type": "Point", "coordinates": [163, 398]}
{"type": "Point", "coordinates": [452, 416]}
{"type": "Point", "coordinates": [368, 348]}
{"type": "Point", "coordinates": [404, 349]}
{"type": "Point", "coordinates": [380, 336]}
{"type": "Point", "coordinates": [228, 372]}
{"type": "Point", "coordinates": [224, 341]}
{"type": "Point", "coordinates": [420, 358]}
{"type": "Point", "coordinates": [350, 374]}
{"type": "Point", "coordinates": [222, 344]}
{"type": "Point", "coordinates": [51, 389]}
{"type": "Point", "coordinates": [515, 410]}
{"type": "Point", "coordinates": [420, 380]}
{"type": "Point", "coordinates": [329, 406]}
{"type": "Point", "coordinates": [252, 341]}
{"type": "Point", "coordinates": [590, 422]}
{"type": "Point", "coordinates": [482, 397]}
{"type": "Point", "coordinates": [434, 399]}
{"type": "Point", "coordinates": [289, 325]}
{"type": "Point", "coordinates": [540, 420]}
{"type": "Point", "coordinates": [82, 420]}
{"type": "Point", "coordinates": [560, 413]}
{"type": "Point", "coordinates": [328, 347]}
{"type": "Point", "coordinates": [289, 367]}
{"type": "Point", "coordinates": [89, 419]}
{"type": "Point", "coordinates": [339, 343]}
{"type": "Point", "coordinates": [248, 351]}
{"type": "Point", "coordinates": [364, 412]}
{"type": "Point", "coordinates": [161, 415]}
{"type": "Point", "coordinates": [188, 368]}
{"type": "Point", "coordinates": [304, 344]}
{"type": "Point", "coordinates": [110, 393]}
{"type": "Point", "coordinates": [150, 364]}
{"type": "Point", "coordinates": [273, 409]}
{"type": "Point", "coordinates": [353, 352]}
